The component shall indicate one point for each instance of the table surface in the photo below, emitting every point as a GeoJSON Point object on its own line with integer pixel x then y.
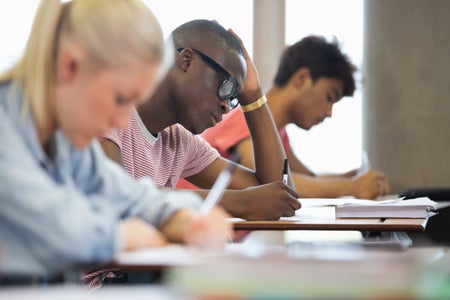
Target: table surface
{"type": "Point", "coordinates": [335, 224]}
{"type": "Point", "coordinates": [323, 218]}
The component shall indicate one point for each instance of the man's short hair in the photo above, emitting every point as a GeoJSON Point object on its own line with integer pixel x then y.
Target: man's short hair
{"type": "Point", "coordinates": [192, 33]}
{"type": "Point", "coordinates": [322, 58]}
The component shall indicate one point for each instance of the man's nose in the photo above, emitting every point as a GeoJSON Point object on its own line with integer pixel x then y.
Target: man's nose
{"type": "Point", "coordinates": [225, 105]}
{"type": "Point", "coordinates": [330, 111]}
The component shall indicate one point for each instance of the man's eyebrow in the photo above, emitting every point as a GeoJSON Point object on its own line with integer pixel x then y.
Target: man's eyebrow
{"type": "Point", "coordinates": [336, 93]}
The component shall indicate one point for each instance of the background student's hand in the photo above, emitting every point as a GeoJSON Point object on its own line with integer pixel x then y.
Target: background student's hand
{"type": "Point", "coordinates": [266, 202]}
{"type": "Point", "coordinates": [370, 185]}
{"type": "Point", "coordinates": [209, 231]}
{"type": "Point", "coordinates": [135, 233]}
{"type": "Point", "coordinates": [252, 88]}
{"type": "Point", "coordinates": [350, 174]}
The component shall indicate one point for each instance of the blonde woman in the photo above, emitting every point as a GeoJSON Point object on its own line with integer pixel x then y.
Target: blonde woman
{"type": "Point", "coordinates": [86, 64]}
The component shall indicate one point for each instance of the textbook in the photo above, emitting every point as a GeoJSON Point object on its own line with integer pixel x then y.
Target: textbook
{"type": "Point", "coordinates": [421, 207]}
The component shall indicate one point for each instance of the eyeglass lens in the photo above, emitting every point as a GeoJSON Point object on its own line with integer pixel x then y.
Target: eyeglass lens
{"type": "Point", "coordinates": [227, 90]}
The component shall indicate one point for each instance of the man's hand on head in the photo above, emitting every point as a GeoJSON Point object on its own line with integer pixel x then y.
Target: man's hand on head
{"type": "Point", "coordinates": [252, 90]}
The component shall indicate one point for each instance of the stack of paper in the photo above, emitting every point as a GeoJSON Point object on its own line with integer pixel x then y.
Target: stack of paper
{"type": "Point", "coordinates": [396, 208]}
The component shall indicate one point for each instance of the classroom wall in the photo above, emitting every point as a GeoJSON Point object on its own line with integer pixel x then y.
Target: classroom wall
{"type": "Point", "coordinates": [406, 94]}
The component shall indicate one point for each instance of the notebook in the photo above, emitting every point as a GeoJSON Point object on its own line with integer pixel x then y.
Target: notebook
{"type": "Point", "coordinates": [421, 207]}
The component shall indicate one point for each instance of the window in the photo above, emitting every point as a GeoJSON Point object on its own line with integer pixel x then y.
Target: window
{"type": "Point", "coordinates": [236, 14]}
{"type": "Point", "coordinates": [335, 145]}
{"type": "Point", "coordinates": [16, 18]}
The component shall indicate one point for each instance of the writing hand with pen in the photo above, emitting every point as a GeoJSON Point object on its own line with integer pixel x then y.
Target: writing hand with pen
{"type": "Point", "coordinates": [268, 202]}
{"type": "Point", "coordinates": [370, 185]}
{"type": "Point", "coordinates": [264, 202]}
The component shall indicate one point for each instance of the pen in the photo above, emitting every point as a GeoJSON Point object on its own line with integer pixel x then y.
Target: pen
{"type": "Point", "coordinates": [285, 171]}
{"type": "Point", "coordinates": [217, 189]}
{"type": "Point", "coordinates": [365, 161]}
{"type": "Point", "coordinates": [365, 164]}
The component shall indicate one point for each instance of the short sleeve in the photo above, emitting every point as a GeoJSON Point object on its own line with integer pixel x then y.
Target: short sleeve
{"type": "Point", "coordinates": [198, 153]}
{"type": "Point", "coordinates": [115, 135]}
{"type": "Point", "coordinates": [285, 139]}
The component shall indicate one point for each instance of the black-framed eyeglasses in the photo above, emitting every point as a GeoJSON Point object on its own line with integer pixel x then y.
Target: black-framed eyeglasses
{"type": "Point", "coordinates": [227, 90]}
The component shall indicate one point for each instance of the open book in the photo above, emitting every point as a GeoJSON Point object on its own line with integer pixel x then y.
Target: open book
{"type": "Point", "coordinates": [396, 208]}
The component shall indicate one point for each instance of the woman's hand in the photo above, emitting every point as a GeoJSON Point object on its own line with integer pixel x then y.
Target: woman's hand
{"type": "Point", "coordinates": [211, 231]}
{"type": "Point", "coordinates": [135, 233]}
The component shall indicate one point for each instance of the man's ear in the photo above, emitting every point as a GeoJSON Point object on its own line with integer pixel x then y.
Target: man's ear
{"type": "Point", "coordinates": [186, 58]}
{"type": "Point", "coordinates": [302, 78]}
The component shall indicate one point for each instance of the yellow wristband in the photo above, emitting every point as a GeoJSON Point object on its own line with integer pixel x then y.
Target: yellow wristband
{"type": "Point", "coordinates": [254, 105]}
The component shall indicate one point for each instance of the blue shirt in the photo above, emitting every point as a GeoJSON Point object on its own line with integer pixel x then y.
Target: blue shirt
{"type": "Point", "coordinates": [58, 213]}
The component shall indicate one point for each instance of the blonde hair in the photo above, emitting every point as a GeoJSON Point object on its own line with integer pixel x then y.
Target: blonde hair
{"type": "Point", "coordinates": [112, 32]}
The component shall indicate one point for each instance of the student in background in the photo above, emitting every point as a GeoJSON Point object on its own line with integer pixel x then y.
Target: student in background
{"type": "Point", "coordinates": [63, 203]}
{"type": "Point", "coordinates": [211, 69]}
{"type": "Point", "coordinates": [312, 76]}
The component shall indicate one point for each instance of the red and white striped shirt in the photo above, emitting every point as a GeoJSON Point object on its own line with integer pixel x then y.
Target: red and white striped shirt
{"type": "Point", "coordinates": [175, 153]}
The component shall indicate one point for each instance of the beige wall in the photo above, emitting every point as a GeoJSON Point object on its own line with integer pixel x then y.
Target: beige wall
{"type": "Point", "coordinates": [406, 95]}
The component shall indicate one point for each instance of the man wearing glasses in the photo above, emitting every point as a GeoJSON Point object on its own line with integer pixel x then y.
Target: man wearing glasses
{"type": "Point", "coordinates": [211, 75]}
{"type": "Point", "coordinates": [312, 76]}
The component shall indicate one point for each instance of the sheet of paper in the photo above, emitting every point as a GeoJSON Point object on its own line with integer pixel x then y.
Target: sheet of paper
{"type": "Point", "coordinates": [309, 202]}
{"type": "Point", "coordinates": [172, 254]}
{"type": "Point", "coordinates": [422, 201]}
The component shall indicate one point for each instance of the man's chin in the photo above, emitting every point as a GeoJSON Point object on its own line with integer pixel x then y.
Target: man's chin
{"type": "Point", "coordinates": [195, 128]}
{"type": "Point", "coordinates": [308, 127]}
{"type": "Point", "coordinates": [197, 131]}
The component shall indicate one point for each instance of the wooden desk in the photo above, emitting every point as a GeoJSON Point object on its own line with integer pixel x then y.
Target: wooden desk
{"type": "Point", "coordinates": [323, 218]}
{"type": "Point", "coordinates": [317, 218]}
{"type": "Point", "coordinates": [335, 224]}
{"type": "Point", "coordinates": [320, 273]}
{"type": "Point", "coordinates": [156, 259]}
{"type": "Point", "coordinates": [246, 271]}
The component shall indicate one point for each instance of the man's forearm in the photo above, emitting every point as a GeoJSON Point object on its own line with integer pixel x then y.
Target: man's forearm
{"type": "Point", "coordinates": [267, 148]}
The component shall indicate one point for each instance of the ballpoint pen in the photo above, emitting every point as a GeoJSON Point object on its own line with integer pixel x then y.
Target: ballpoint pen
{"type": "Point", "coordinates": [285, 171]}
{"type": "Point", "coordinates": [219, 187]}
{"type": "Point", "coordinates": [365, 164]}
